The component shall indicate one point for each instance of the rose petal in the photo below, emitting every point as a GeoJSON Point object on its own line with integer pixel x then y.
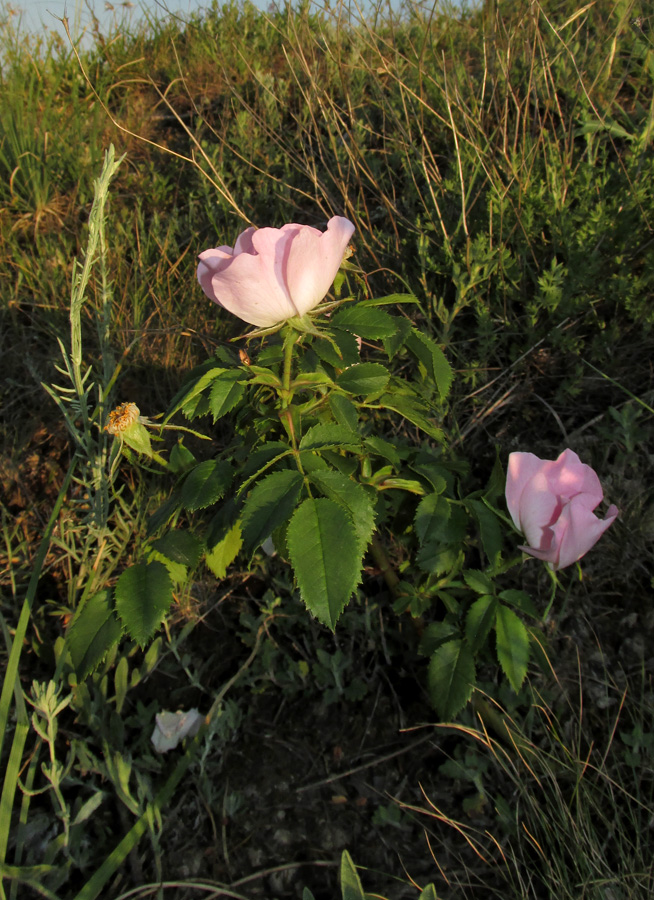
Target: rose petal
{"type": "Point", "coordinates": [314, 259]}
{"type": "Point", "coordinates": [568, 476]}
{"type": "Point", "coordinates": [521, 469]}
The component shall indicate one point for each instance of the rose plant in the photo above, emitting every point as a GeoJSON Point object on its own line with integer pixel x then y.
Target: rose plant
{"type": "Point", "coordinates": [335, 459]}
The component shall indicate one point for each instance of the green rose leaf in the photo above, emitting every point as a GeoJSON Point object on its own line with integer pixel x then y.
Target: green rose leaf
{"type": "Point", "coordinates": [143, 596]}
{"type": "Point", "coordinates": [451, 677]}
{"type": "Point", "coordinates": [344, 411]}
{"type": "Point", "coordinates": [431, 519]}
{"type": "Point", "coordinates": [412, 410]}
{"type": "Point", "coordinates": [490, 531]}
{"type": "Point", "coordinates": [226, 391]}
{"type": "Point", "coordinates": [512, 646]}
{"type": "Point", "coordinates": [220, 557]}
{"type": "Point", "coordinates": [353, 497]}
{"type": "Point", "coordinates": [433, 359]}
{"type": "Point", "coordinates": [324, 437]}
{"type": "Point", "coordinates": [480, 620]}
{"type": "Point", "coordinates": [478, 581]}
{"type": "Point", "coordinates": [324, 551]}
{"type": "Point", "coordinates": [364, 378]}
{"type": "Point", "coordinates": [268, 506]}
{"type": "Point", "coordinates": [206, 483]}
{"type": "Point", "coordinates": [92, 633]}
{"type": "Point", "coordinates": [180, 547]}
{"type": "Point", "coordinates": [365, 321]}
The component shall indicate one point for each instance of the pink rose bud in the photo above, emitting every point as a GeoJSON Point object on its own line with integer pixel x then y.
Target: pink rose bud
{"type": "Point", "coordinates": [551, 502]}
{"type": "Point", "coordinates": [273, 274]}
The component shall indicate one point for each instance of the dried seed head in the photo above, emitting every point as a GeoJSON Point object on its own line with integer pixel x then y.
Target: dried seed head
{"type": "Point", "coordinates": [121, 418]}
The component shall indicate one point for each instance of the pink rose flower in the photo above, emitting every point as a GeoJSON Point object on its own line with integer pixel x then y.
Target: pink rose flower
{"type": "Point", "coordinates": [551, 502]}
{"type": "Point", "coordinates": [273, 274]}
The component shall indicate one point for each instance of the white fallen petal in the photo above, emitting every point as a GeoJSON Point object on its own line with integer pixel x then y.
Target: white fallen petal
{"type": "Point", "coordinates": [173, 727]}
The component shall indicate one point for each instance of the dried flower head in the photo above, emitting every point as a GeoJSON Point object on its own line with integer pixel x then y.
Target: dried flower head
{"type": "Point", "coordinates": [122, 417]}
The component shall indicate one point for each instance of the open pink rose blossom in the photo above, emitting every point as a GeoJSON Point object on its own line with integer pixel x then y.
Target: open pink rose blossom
{"type": "Point", "coordinates": [272, 274]}
{"type": "Point", "coordinates": [551, 502]}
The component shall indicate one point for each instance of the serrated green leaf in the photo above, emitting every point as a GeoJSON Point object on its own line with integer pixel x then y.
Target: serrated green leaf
{"type": "Point", "coordinates": [433, 359]}
{"type": "Point", "coordinates": [365, 321]}
{"type": "Point", "coordinates": [220, 558]}
{"type": "Point", "coordinates": [434, 475]}
{"type": "Point", "coordinates": [226, 391]}
{"type": "Point", "coordinates": [520, 600]}
{"type": "Point", "coordinates": [435, 634]}
{"type": "Point", "coordinates": [324, 552]}
{"type": "Point", "coordinates": [180, 546]}
{"type": "Point", "coordinates": [323, 437]}
{"type": "Point", "coordinates": [268, 506]}
{"type": "Point", "coordinates": [364, 378]}
{"type": "Point", "coordinates": [353, 497]}
{"type": "Point", "coordinates": [512, 646]}
{"type": "Point", "coordinates": [92, 633]}
{"type": "Point", "coordinates": [451, 677]}
{"type": "Point", "coordinates": [344, 411]}
{"type": "Point", "coordinates": [307, 895]}
{"type": "Point", "coordinates": [480, 620]}
{"type": "Point", "coordinates": [383, 448]}
{"type": "Point", "coordinates": [261, 459]}
{"type": "Point", "coordinates": [344, 351]}
{"type": "Point", "coordinates": [351, 887]}
{"type": "Point", "coordinates": [432, 516]}
{"type": "Point", "coordinates": [162, 515]}
{"type": "Point", "coordinates": [143, 596]}
{"type": "Point", "coordinates": [478, 581]}
{"type": "Point", "coordinates": [189, 393]}
{"type": "Point", "coordinates": [435, 559]}
{"type": "Point", "coordinates": [206, 483]}
{"type": "Point", "coordinates": [396, 341]}
{"type": "Point", "coordinates": [413, 411]}
{"type": "Point", "coordinates": [496, 483]}
{"type": "Point", "coordinates": [390, 299]}
{"type": "Point", "coordinates": [177, 571]}
{"type": "Point", "coordinates": [490, 530]}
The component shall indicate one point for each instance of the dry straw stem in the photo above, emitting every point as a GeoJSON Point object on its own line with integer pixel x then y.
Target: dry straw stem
{"type": "Point", "coordinates": [215, 179]}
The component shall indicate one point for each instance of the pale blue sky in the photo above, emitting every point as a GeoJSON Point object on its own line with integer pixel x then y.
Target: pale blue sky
{"type": "Point", "coordinates": [34, 14]}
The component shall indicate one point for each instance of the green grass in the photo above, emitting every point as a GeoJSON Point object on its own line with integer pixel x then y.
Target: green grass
{"type": "Point", "coordinates": [497, 163]}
